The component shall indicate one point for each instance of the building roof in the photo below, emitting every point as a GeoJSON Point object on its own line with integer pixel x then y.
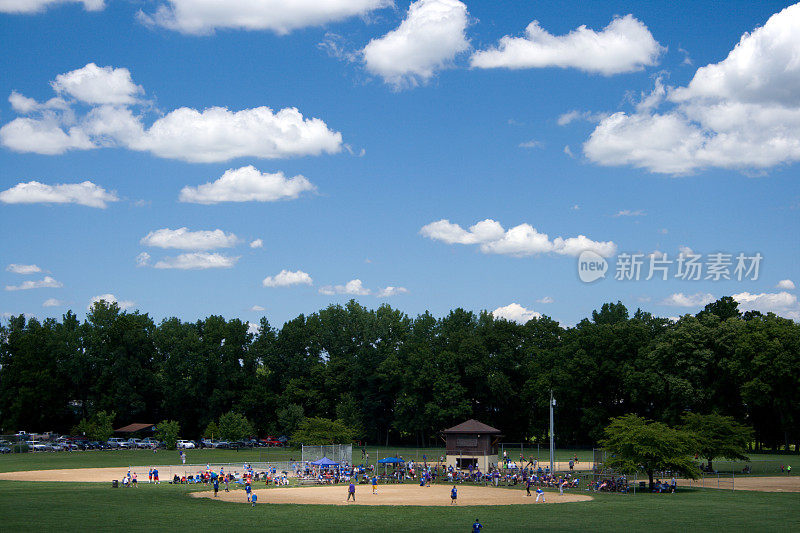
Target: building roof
{"type": "Point", "coordinates": [472, 426]}
{"type": "Point", "coordinates": [133, 428]}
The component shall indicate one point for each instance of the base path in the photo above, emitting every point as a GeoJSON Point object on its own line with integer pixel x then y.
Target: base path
{"type": "Point", "coordinates": [435, 495]}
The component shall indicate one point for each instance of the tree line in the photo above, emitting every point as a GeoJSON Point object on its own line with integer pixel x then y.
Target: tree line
{"type": "Point", "coordinates": [391, 378]}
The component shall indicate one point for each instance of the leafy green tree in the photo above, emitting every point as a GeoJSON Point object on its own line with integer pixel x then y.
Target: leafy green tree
{"type": "Point", "coordinates": [724, 308]}
{"type": "Point", "coordinates": [167, 431]}
{"type": "Point", "coordinates": [234, 426]}
{"type": "Point", "coordinates": [98, 427]}
{"type": "Point", "coordinates": [319, 430]}
{"type": "Point", "coordinates": [290, 417]}
{"type": "Point", "coordinates": [634, 443]}
{"type": "Point", "coordinates": [211, 431]}
{"type": "Point", "coordinates": [718, 436]}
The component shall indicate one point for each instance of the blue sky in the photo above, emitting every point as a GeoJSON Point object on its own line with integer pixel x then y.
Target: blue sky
{"type": "Point", "coordinates": [650, 130]}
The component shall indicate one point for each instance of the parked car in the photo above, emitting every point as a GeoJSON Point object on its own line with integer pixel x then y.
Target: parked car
{"type": "Point", "coordinates": [116, 442]}
{"type": "Point", "coordinates": [185, 445]}
{"type": "Point", "coordinates": [149, 443]}
{"type": "Point", "coordinates": [56, 447]}
{"type": "Point", "coordinates": [271, 441]}
{"type": "Point", "coordinates": [38, 446]}
{"type": "Point", "coordinates": [5, 449]}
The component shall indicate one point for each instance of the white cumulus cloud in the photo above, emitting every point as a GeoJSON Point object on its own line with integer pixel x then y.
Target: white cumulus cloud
{"type": "Point", "coordinates": [52, 302]}
{"type": "Point", "coordinates": [280, 16]}
{"type": "Point", "coordinates": [184, 239]}
{"type": "Point", "coordinates": [257, 243]}
{"type": "Point", "coordinates": [679, 299]}
{"type": "Point", "coordinates": [785, 284]}
{"type": "Point", "coordinates": [23, 269]}
{"type": "Point", "coordinates": [741, 113]}
{"type": "Point", "coordinates": [47, 283]}
{"type": "Point", "coordinates": [286, 278]}
{"type": "Point", "coordinates": [197, 261]}
{"type": "Point", "coordinates": [143, 259]}
{"type": "Point", "coordinates": [110, 299]}
{"type": "Point", "coordinates": [389, 291]}
{"type": "Point", "coordinates": [37, 6]}
{"type": "Point", "coordinates": [781, 303]}
{"type": "Point", "coordinates": [257, 308]}
{"type": "Point", "coordinates": [214, 134]}
{"type": "Point", "coordinates": [625, 45]}
{"type": "Point", "coordinates": [247, 184]}
{"type": "Point", "coordinates": [521, 240]}
{"type": "Point", "coordinates": [354, 287]}
{"type": "Point", "coordinates": [516, 313]}
{"type": "Point", "coordinates": [33, 192]}
{"type": "Point", "coordinates": [430, 37]}
{"type": "Point", "coordinates": [98, 85]}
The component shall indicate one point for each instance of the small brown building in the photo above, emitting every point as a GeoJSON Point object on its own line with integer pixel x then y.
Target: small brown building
{"type": "Point", "coordinates": [471, 443]}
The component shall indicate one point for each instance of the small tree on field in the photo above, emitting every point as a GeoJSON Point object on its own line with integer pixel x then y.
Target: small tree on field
{"type": "Point", "coordinates": [718, 436]}
{"type": "Point", "coordinates": [322, 431]}
{"type": "Point", "coordinates": [167, 431]}
{"type": "Point", "coordinates": [633, 442]}
{"type": "Point", "coordinates": [234, 426]}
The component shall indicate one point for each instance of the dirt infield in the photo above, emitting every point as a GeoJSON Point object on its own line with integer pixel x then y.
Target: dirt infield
{"type": "Point", "coordinates": [436, 495]}
{"type": "Point", "coordinates": [104, 475]}
{"type": "Point", "coordinates": [760, 484]}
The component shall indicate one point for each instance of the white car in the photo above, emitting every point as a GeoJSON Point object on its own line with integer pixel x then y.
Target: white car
{"type": "Point", "coordinates": [37, 446]}
{"type": "Point", "coordinates": [185, 445]}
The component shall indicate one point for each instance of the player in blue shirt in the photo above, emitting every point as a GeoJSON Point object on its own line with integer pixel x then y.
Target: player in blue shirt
{"type": "Point", "coordinates": [351, 491]}
{"type": "Point", "coordinates": [255, 497]}
{"type": "Point", "coordinates": [248, 489]}
{"type": "Point", "coordinates": [453, 495]}
{"type": "Point", "coordinates": [540, 494]}
{"type": "Point", "coordinates": [216, 485]}
{"type": "Point", "coordinates": [477, 526]}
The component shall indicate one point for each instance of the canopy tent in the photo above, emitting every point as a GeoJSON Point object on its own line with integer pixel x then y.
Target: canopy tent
{"type": "Point", "coordinates": [391, 460]}
{"type": "Point", "coordinates": [324, 462]}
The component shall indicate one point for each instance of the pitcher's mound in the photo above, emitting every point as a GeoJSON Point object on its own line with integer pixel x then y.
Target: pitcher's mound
{"type": "Point", "coordinates": [394, 495]}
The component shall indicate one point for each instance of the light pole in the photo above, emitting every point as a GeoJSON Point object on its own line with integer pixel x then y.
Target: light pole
{"type": "Point", "coordinates": [552, 446]}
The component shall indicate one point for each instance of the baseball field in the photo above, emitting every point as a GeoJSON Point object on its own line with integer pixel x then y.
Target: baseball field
{"type": "Point", "coordinates": [73, 491]}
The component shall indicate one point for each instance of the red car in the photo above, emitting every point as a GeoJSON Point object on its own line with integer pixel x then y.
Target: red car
{"type": "Point", "coordinates": [271, 441]}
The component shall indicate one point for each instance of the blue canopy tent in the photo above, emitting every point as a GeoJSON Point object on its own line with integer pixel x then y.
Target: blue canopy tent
{"type": "Point", "coordinates": [324, 462]}
{"type": "Point", "coordinates": [392, 461]}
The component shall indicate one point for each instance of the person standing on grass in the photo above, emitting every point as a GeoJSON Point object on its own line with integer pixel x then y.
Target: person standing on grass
{"type": "Point", "coordinates": [216, 486]}
{"type": "Point", "coordinates": [351, 492]}
{"type": "Point", "coordinates": [477, 526]}
{"type": "Point", "coordinates": [788, 470]}
{"type": "Point", "coordinates": [135, 480]}
{"type": "Point", "coordinates": [254, 499]}
{"type": "Point", "coordinates": [248, 489]}
{"type": "Point", "coordinates": [155, 477]}
{"type": "Point", "coordinates": [453, 495]}
{"type": "Point", "coordinates": [528, 485]}
{"type": "Point", "coordinates": [540, 494]}
{"type": "Point", "coordinates": [150, 476]}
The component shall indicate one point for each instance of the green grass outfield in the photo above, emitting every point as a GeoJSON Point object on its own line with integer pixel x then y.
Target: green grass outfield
{"type": "Point", "coordinates": [108, 458]}
{"type": "Point", "coordinates": [44, 506]}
